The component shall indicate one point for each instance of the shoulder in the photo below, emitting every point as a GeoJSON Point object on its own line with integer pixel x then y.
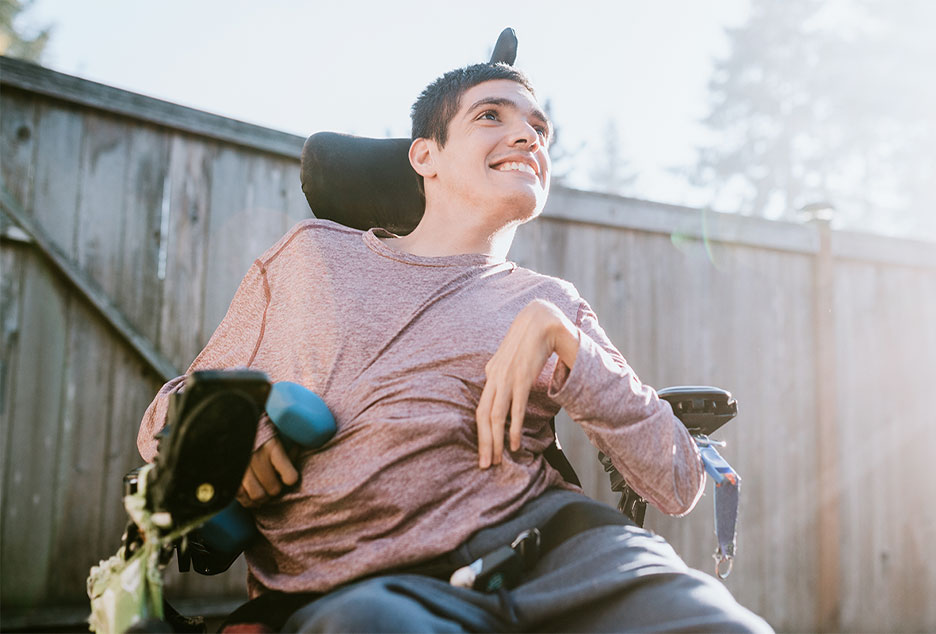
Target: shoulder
{"type": "Point", "coordinates": [560, 292]}
{"type": "Point", "coordinates": [309, 237]}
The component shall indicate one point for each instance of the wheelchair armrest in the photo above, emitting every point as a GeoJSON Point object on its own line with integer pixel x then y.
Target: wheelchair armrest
{"type": "Point", "coordinates": [702, 409]}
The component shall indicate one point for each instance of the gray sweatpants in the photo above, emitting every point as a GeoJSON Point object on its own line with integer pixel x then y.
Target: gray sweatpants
{"type": "Point", "coordinates": [606, 579]}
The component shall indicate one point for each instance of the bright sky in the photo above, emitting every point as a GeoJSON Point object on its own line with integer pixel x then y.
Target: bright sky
{"type": "Point", "coordinates": [356, 66]}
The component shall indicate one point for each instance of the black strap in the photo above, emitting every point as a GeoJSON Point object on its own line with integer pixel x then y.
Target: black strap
{"type": "Point", "coordinates": [275, 608]}
{"type": "Point", "coordinates": [576, 518]}
{"type": "Point", "coordinates": [504, 567]}
{"type": "Point", "coordinates": [557, 459]}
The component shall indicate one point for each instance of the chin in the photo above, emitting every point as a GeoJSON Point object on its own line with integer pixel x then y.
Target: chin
{"type": "Point", "coordinates": [521, 207]}
{"type": "Point", "coordinates": [524, 206]}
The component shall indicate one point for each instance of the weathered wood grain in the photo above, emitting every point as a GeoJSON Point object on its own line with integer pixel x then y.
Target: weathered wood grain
{"type": "Point", "coordinates": [17, 147]}
{"type": "Point", "coordinates": [34, 438]}
{"type": "Point", "coordinates": [140, 289]}
{"type": "Point", "coordinates": [59, 135]}
{"type": "Point", "coordinates": [12, 256]}
{"type": "Point", "coordinates": [80, 466]}
{"type": "Point", "coordinates": [99, 97]}
{"type": "Point", "coordinates": [90, 366]}
{"type": "Point", "coordinates": [186, 241]}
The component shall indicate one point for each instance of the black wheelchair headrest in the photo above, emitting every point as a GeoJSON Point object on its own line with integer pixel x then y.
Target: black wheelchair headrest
{"type": "Point", "coordinates": [361, 182]}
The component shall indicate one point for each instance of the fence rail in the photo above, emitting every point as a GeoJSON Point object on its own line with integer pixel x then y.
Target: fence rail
{"type": "Point", "coordinates": [825, 337]}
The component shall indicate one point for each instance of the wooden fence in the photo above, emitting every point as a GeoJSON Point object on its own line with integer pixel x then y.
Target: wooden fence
{"type": "Point", "coordinates": [128, 222]}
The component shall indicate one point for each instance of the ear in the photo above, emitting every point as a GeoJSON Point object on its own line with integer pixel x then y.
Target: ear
{"type": "Point", "coordinates": [421, 157]}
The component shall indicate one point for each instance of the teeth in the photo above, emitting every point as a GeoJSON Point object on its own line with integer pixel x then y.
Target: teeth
{"type": "Point", "coordinates": [519, 167]}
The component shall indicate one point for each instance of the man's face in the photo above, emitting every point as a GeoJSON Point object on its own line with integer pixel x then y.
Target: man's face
{"type": "Point", "coordinates": [496, 155]}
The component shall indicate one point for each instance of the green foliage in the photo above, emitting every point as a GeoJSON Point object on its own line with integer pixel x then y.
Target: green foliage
{"type": "Point", "coordinates": [14, 42]}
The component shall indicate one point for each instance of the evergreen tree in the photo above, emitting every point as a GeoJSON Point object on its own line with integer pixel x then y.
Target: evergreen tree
{"type": "Point", "coordinates": [562, 157]}
{"type": "Point", "coordinates": [13, 41]}
{"type": "Point", "coordinates": [826, 101]}
{"type": "Point", "coordinates": [611, 173]}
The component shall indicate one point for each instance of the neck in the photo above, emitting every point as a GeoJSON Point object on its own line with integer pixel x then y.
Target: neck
{"type": "Point", "coordinates": [457, 232]}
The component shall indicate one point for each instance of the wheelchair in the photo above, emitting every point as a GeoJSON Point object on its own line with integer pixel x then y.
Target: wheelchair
{"type": "Point", "coordinates": [206, 446]}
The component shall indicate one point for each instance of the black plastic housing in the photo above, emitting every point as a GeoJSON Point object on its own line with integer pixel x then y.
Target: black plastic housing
{"type": "Point", "coordinates": [701, 408]}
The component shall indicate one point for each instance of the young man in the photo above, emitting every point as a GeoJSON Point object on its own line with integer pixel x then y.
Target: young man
{"type": "Point", "coordinates": [443, 363]}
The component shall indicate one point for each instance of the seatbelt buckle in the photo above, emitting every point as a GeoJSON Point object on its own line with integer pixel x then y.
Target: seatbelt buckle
{"type": "Point", "coordinates": [716, 466]}
{"type": "Point", "coordinates": [502, 567]}
{"type": "Point", "coordinates": [499, 568]}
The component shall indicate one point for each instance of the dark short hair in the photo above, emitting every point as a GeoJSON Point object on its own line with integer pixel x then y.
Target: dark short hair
{"type": "Point", "coordinates": [437, 105]}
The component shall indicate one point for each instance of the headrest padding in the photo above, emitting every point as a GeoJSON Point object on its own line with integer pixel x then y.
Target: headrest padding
{"type": "Point", "coordinates": [361, 182]}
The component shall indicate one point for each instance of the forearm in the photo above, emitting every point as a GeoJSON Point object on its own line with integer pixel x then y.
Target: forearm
{"type": "Point", "coordinates": [628, 422]}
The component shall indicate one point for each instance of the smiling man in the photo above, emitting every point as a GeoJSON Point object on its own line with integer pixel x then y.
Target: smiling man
{"type": "Point", "coordinates": [443, 363]}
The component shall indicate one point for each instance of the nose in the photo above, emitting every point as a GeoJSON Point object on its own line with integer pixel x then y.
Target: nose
{"type": "Point", "coordinates": [525, 135]}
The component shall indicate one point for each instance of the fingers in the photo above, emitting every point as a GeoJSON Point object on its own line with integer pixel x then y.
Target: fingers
{"type": "Point", "coordinates": [265, 473]}
{"type": "Point", "coordinates": [510, 375]}
{"type": "Point", "coordinates": [499, 398]}
{"type": "Point", "coordinates": [517, 414]}
{"type": "Point", "coordinates": [251, 492]}
{"type": "Point", "coordinates": [483, 419]}
{"type": "Point", "coordinates": [283, 465]}
{"type": "Point", "coordinates": [499, 410]}
{"type": "Point", "coordinates": [269, 469]}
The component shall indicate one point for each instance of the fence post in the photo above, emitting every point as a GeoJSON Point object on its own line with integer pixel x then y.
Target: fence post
{"type": "Point", "coordinates": [829, 534]}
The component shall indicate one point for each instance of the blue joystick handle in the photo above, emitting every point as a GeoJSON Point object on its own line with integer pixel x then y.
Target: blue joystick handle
{"type": "Point", "coordinates": [300, 417]}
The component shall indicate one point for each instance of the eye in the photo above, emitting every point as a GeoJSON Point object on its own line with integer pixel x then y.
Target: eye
{"type": "Point", "coordinates": [543, 132]}
{"type": "Point", "coordinates": [490, 115]}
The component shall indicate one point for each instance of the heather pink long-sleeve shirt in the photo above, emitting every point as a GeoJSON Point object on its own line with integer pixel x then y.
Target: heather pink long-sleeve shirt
{"type": "Point", "coordinates": [396, 346]}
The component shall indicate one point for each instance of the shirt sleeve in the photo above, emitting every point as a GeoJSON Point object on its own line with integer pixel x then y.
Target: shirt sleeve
{"type": "Point", "coordinates": [628, 422]}
{"type": "Point", "coordinates": [233, 345]}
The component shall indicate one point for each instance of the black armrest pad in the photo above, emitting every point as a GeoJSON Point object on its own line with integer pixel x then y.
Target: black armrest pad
{"type": "Point", "coordinates": [702, 409]}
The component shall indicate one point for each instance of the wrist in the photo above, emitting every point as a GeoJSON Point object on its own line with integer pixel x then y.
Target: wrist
{"type": "Point", "coordinates": [565, 341]}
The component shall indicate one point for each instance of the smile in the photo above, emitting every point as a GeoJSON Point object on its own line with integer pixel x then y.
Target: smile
{"type": "Point", "coordinates": [512, 166]}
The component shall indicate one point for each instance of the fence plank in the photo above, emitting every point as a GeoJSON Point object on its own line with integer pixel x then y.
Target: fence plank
{"type": "Point", "coordinates": [28, 514]}
{"type": "Point", "coordinates": [59, 135]}
{"type": "Point", "coordinates": [227, 258]}
{"type": "Point", "coordinates": [12, 256]}
{"type": "Point", "coordinates": [187, 244]}
{"type": "Point", "coordinates": [18, 124]}
{"type": "Point", "coordinates": [17, 147]}
{"type": "Point", "coordinates": [91, 353]}
{"type": "Point", "coordinates": [139, 292]}
{"type": "Point", "coordinates": [887, 528]}
{"type": "Point", "coordinates": [80, 468]}
{"type": "Point", "coordinates": [134, 385]}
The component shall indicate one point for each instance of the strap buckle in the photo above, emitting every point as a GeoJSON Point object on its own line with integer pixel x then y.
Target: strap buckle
{"type": "Point", "coordinates": [502, 567]}
{"type": "Point", "coordinates": [720, 558]}
{"type": "Point", "coordinates": [727, 493]}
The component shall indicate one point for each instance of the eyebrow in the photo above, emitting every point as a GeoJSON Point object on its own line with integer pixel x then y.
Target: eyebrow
{"type": "Point", "coordinates": [509, 103]}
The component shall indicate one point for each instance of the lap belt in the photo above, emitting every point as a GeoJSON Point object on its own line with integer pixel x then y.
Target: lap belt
{"type": "Point", "coordinates": [504, 566]}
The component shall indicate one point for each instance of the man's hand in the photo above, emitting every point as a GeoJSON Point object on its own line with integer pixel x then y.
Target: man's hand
{"type": "Point", "coordinates": [270, 469]}
{"type": "Point", "coordinates": [538, 330]}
